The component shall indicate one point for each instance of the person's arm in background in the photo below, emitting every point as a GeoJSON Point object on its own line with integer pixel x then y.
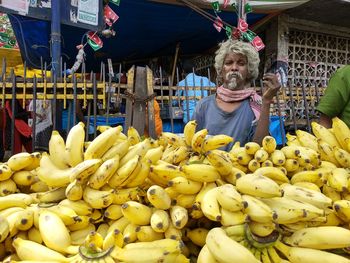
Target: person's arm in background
{"type": "Point", "coordinates": [79, 112]}
{"type": "Point", "coordinates": [271, 88]}
{"type": "Point", "coordinates": [336, 97]}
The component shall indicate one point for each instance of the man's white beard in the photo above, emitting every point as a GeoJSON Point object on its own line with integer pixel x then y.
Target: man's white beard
{"type": "Point", "coordinates": [232, 79]}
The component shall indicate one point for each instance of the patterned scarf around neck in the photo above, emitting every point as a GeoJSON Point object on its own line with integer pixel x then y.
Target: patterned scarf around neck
{"type": "Point", "coordinates": [228, 95]}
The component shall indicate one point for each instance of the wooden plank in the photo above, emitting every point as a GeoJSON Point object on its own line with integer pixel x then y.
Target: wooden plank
{"type": "Point", "coordinates": [151, 118]}
{"type": "Point", "coordinates": [139, 114]}
{"type": "Point", "coordinates": [129, 104]}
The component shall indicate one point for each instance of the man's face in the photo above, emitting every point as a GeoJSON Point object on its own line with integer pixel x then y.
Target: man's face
{"type": "Point", "coordinates": [235, 71]}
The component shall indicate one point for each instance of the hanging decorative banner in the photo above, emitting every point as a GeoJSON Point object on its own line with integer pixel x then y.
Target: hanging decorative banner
{"type": "Point", "coordinates": [242, 25]}
{"type": "Point", "coordinates": [94, 41]}
{"type": "Point", "coordinates": [248, 8]}
{"type": "Point", "coordinates": [110, 16]}
{"type": "Point", "coordinates": [218, 24]}
{"type": "Point", "coordinates": [116, 2]}
{"type": "Point", "coordinates": [216, 7]}
{"type": "Point", "coordinates": [248, 36]}
{"type": "Point", "coordinates": [258, 44]}
{"type": "Point", "coordinates": [228, 31]}
{"type": "Point", "coordinates": [236, 34]}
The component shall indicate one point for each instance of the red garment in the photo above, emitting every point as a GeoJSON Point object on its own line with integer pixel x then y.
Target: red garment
{"type": "Point", "coordinates": [20, 125]}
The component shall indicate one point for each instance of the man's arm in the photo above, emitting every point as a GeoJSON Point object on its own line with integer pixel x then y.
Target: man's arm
{"type": "Point", "coordinates": [262, 129]}
{"type": "Point", "coordinates": [325, 121]}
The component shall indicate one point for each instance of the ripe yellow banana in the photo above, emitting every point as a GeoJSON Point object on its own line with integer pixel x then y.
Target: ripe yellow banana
{"type": "Point", "coordinates": [258, 185]}
{"type": "Point", "coordinates": [137, 213]}
{"type": "Point", "coordinates": [229, 218]}
{"type": "Point", "coordinates": [262, 229]}
{"type": "Point", "coordinates": [198, 140]}
{"type": "Point", "coordinates": [342, 208]}
{"type": "Point", "coordinates": [4, 228]}
{"type": "Point", "coordinates": [186, 186]}
{"type": "Point", "coordinates": [74, 191]}
{"type": "Point", "coordinates": [154, 154]}
{"type": "Point", "coordinates": [215, 142]}
{"type": "Point", "coordinates": [278, 158]}
{"type": "Point", "coordinates": [55, 234]}
{"type": "Point", "coordinates": [113, 238]}
{"type": "Point", "coordinates": [120, 148]}
{"type": "Point", "coordinates": [139, 149]}
{"type": "Point", "coordinates": [80, 207]}
{"type": "Point", "coordinates": [20, 161]}
{"type": "Point", "coordinates": [205, 256]}
{"type": "Point", "coordinates": [253, 165]}
{"type": "Point", "coordinates": [104, 173]}
{"type": "Point", "coordinates": [307, 140]}
{"type": "Point", "coordinates": [79, 224]}
{"type": "Point", "coordinates": [29, 250]}
{"type": "Point", "coordinates": [126, 172]}
{"type": "Point", "coordinates": [261, 155]}
{"type": "Point", "coordinates": [98, 199]}
{"type": "Point", "coordinates": [24, 178]}
{"type": "Point", "coordinates": [147, 234]}
{"type": "Point", "coordinates": [269, 144]}
{"type": "Point", "coordinates": [25, 220]}
{"type": "Point", "coordinates": [201, 172]}
{"type": "Point", "coordinates": [173, 139]}
{"type": "Point", "coordinates": [210, 205]}
{"type": "Point", "coordinates": [141, 176]}
{"type": "Point", "coordinates": [189, 131]}
{"type": "Point", "coordinates": [273, 173]}
{"type": "Point", "coordinates": [327, 153]}
{"type": "Point", "coordinates": [34, 235]}
{"type": "Point", "coordinates": [173, 233]}
{"type": "Point", "coordinates": [7, 187]}
{"type": "Point", "coordinates": [342, 156]}
{"type": "Point", "coordinates": [185, 200]}
{"type": "Point", "coordinates": [220, 161]}
{"type": "Point", "coordinates": [133, 136]}
{"type": "Point", "coordinates": [197, 236]}
{"type": "Point", "coordinates": [338, 179]}
{"type": "Point", "coordinates": [121, 196]}
{"type": "Point", "coordinates": [229, 198]}
{"type": "Point", "coordinates": [129, 233]}
{"type": "Point", "coordinates": [341, 132]}
{"type": "Point", "coordinates": [102, 143]}
{"type": "Point", "coordinates": [313, 197]}
{"type": "Point", "coordinates": [251, 147]}
{"type": "Point", "coordinates": [179, 216]}
{"type": "Point", "coordinates": [226, 250]}
{"type": "Point", "coordinates": [258, 210]}
{"type": "Point", "coordinates": [5, 172]}
{"type": "Point", "coordinates": [75, 145]}
{"type": "Point", "coordinates": [158, 197]}
{"type": "Point", "coordinates": [160, 220]}
{"type": "Point", "coordinates": [57, 150]}
{"type": "Point", "coordinates": [307, 176]}
{"type": "Point", "coordinates": [199, 197]}
{"type": "Point", "coordinates": [308, 255]}
{"type": "Point", "coordinates": [52, 196]}
{"type": "Point", "coordinates": [324, 134]}
{"type": "Point", "coordinates": [18, 199]}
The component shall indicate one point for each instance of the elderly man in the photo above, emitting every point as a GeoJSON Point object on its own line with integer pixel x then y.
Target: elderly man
{"type": "Point", "coordinates": [236, 110]}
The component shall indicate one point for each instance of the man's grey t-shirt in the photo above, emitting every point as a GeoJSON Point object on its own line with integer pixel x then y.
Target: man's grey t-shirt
{"type": "Point", "coordinates": [239, 124]}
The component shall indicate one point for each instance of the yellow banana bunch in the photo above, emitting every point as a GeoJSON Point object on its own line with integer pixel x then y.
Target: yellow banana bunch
{"type": "Point", "coordinates": [126, 172]}
{"type": "Point", "coordinates": [137, 213]}
{"type": "Point", "coordinates": [215, 142]}
{"type": "Point", "coordinates": [224, 249]}
{"type": "Point", "coordinates": [189, 131]}
{"type": "Point", "coordinates": [74, 150]}
{"type": "Point", "coordinates": [198, 140]}
{"type": "Point", "coordinates": [133, 136]}
{"type": "Point", "coordinates": [57, 150]}
{"type": "Point", "coordinates": [269, 144]}
{"type": "Point", "coordinates": [96, 198]}
{"type": "Point", "coordinates": [102, 143]}
{"type": "Point", "coordinates": [120, 148]}
{"type": "Point", "coordinates": [258, 185]}
{"type": "Point", "coordinates": [55, 234]}
{"type": "Point", "coordinates": [324, 134]}
{"type": "Point", "coordinates": [341, 132]}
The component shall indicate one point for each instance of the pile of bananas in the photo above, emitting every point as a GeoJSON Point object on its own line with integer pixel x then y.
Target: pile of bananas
{"type": "Point", "coordinates": [120, 198]}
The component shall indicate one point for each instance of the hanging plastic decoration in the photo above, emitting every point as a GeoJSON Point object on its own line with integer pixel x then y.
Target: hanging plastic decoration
{"type": "Point", "coordinates": [7, 37]}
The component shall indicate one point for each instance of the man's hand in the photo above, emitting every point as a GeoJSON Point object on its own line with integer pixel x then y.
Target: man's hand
{"type": "Point", "coordinates": [271, 87]}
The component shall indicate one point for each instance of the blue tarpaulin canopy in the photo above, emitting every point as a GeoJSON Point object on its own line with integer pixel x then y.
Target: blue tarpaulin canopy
{"type": "Point", "coordinates": [144, 30]}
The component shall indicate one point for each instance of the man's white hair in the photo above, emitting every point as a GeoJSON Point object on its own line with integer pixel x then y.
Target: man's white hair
{"type": "Point", "coordinates": [237, 47]}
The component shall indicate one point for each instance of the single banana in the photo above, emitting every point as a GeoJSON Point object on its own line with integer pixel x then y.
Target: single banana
{"type": "Point", "coordinates": [327, 153]}
{"type": "Point", "coordinates": [189, 131]}
{"type": "Point", "coordinates": [20, 161]}
{"type": "Point", "coordinates": [137, 213]}
{"type": "Point", "coordinates": [173, 139]}
{"type": "Point", "coordinates": [220, 161]}
{"type": "Point", "coordinates": [24, 178]}
{"type": "Point", "coordinates": [258, 210]}
{"type": "Point", "coordinates": [291, 165]}
{"type": "Point", "coordinates": [80, 207]}
{"type": "Point", "coordinates": [251, 147]}
{"type": "Point", "coordinates": [79, 224]}
{"type": "Point", "coordinates": [113, 212]}
{"type": "Point", "coordinates": [261, 155]}
{"type": "Point", "coordinates": [133, 136]}
{"type": "Point", "coordinates": [158, 197]}
{"type": "Point", "coordinates": [7, 187]}
{"type": "Point", "coordinates": [4, 228]}
{"type": "Point", "coordinates": [160, 220]}
{"type": "Point", "coordinates": [198, 140]}
{"type": "Point", "coordinates": [297, 193]}
{"type": "Point", "coordinates": [55, 234]}
{"type": "Point", "coordinates": [229, 198]}
{"type": "Point", "coordinates": [273, 173]}
{"type": "Point", "coordinates": [57, 150]}
{"type": "Point", "coordinates": [338, 179]}
{"type": "Point", "coordinates": [121, 196]}
{"type": "Point", "coordinates": [74, 150]}
{"type": "Point", "coordinates": [147, 234]}
{"type": "Point", "coordinates": [269, 144]}
{"type": "Point", "coordinates": [342, 208]}
{"type": "Point", "coordinates": [98, 199]}
{"type": "Point", "coordinates": [179, 216]}
{"type": "Point", "coordinates": [154, 154]}
{"type": "Point", "coordinates": [18, 199]}
{"type": "Point", "coordinates": [5, 172]}
{"type": "Point", "coordinates": [258, 185]}
{"type": "Point", "coordinates": [29, 250]}
{"type": "Point", "coordinates": [278, 158]}
{"type": "Point", "coordinates": [34, 235]}
{"type": "Point", "coordinates": [74, 191]}
{"type": "Point", "coordinates": [229, 218]}
{"type": "Point", "coordinates": [25, 220]}
{"type": "Point", "coordinates": [141, 176]}
{"type": "Point", "coordinates": [52, 196]}
{"type": "Point", "coordinates": [342, 156]}
{"type": "Point", "coordinates": [201, 172]}
{"type": "Point", "coordinates": [186, 186]}
{"type": "Point", "coordinates": [166, 171]}
{"type": "Point", "coordinates": [262, 229]}
{"type": "Point", "coordinates": [205, 256]}
{"type": "Point", "coordinates": [102, 143]}
{"type": "Point", "coordinates": [139, 149]}
{"type": "Point", "coordinates": [197, 236]}
{"type": "Point", "coordinates": [324, 134]}
{"type": "Point", "coordinates": [307, 140]}
{"type": "Point", "coordinates": [126, 172]}
{"type": "Point", "coordinates": [199, 197]}
{"type": "Point", "coordinates": [210, 205]}
{"type": "Point", "coordinates": [215, 142]}
{"type": "Point", "coordinates": [341, 132]}
{"type": "Point", "coordinates": [224, 249]}
{"type": "Point", "coordinates": [104, 173]}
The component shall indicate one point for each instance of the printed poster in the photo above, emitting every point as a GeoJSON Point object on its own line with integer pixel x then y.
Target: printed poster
{"type": "Point", "coordinates": [21, 6]}
{"type": "Point", "coordinates": [88, 12]}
